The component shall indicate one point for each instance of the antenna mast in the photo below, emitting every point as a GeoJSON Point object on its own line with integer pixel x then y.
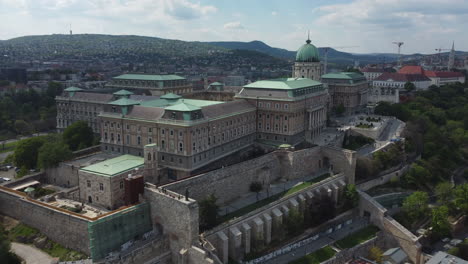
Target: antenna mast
{"type": "Point", "coordinates": [399, 44]}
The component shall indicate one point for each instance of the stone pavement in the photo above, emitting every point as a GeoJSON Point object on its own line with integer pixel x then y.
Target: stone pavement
{"type": "Point", "coordinates": [30, 254]}
{"type": "Point", "coordinates": [251, 198]}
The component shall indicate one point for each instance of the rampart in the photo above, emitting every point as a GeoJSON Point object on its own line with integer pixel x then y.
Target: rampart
{"type": "Point", "coordinates": [174, 216]}
{"type": "Point", "coordinates": [239, 236]}
{"type": "Point", "coordinates": [379, 216]}
{"type": "Point", "coordinates": [229, 183]}
{"type": "Point", "coordinates": [62, 226]}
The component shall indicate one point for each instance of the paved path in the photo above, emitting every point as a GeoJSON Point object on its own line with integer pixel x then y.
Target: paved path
{"type": "Point", "coordinates": [30, 254]}
{"type": "Point", "coordinates": [319, 243]}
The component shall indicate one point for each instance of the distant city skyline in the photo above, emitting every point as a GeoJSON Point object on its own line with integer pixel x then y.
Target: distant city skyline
{"type": "Point", "coordinates": [372, 26]}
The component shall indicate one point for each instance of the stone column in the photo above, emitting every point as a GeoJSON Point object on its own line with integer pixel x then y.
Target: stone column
{"type": "Point", "coordinates": [302, 203]}
{"type": "Point", "coordinates": [267, 225]}
{"type": "Point", "coordinates": [235, 241]}
{"type": "Point", "coordinates": [310, 197]}
{"type": "Point", "coordinates": [246, 237]}
{"type": "Point", "coordinates": [285, 210]}
{"type": "Point", "coordinates": [277, 219]}
{"type": "Point", "coordinates": [223, 247]}
{"type": "Point", "coordinates": [258, 231]}
{"type": "Point", "coordinates": [335, 193]}
{"type": "Point", "coordinates": [294, 204]}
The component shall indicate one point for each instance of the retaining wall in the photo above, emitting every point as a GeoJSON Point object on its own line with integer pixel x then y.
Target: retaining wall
{"type": "Point", "coordinates": [64, 228]}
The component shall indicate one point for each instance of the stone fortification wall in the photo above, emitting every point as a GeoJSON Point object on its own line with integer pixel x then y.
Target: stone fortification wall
{"type": "Point", "coordinates": [65, 228]}
{"type": "Point", "coordinates": [341, 160]}
{"type": "Point", "coordinates": [229, 183]}
{"type": "Point", "coordinates": [175, 217]}
{"type": "Point", "coordinates": [379, 216]}
{"type": "Point", "coordinates": [394, 173]}
{"type": "Point", "coordinates": [237, 237]}
{"type": "Point", "coordinates": [303, 163]}
{"type": "Point", "coordinates": [65, 175]}
{"type": "Point", "coordinates": [382, 240]}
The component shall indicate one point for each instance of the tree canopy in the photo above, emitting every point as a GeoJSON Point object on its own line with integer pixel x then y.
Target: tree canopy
{"type": "Point", "coordinates": [78, 135]}
{"type": "Point", "coordinates": [415, 206]}
{"type": "Point", "coordinates": [26, 152]}
{"type": "Point", "coordinates": [50, 154]}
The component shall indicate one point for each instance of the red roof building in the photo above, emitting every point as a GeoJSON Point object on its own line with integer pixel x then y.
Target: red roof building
{"type": "Point", "coordinates": [411, 70]}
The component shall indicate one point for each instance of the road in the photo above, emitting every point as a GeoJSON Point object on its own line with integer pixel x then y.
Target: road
{"type": "Point", "coordinates": [31, 254]}
{"type": "Point", "coordinates": [324, 240]}
{"type": "Point", "coordinates": [387, 134]}
{"type": "Point", "coordinates": [25, 137]}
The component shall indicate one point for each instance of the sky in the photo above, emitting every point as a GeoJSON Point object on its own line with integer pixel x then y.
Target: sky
{"type": "Point", "coordinates": [356, 26]}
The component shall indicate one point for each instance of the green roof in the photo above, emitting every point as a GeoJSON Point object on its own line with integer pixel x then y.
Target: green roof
{"type": "Point", "coordinates": [124, 101]}
{"type": "Point", "coordinates": [73, 89]}
{"type": "Point", "coordinates": [216, 83]}
{"type": "Point", "coordinates": [343, 75]}
{"type": "Point", "coordinates": [170, 96]}
{"type": "Point", "coordinates": [307, 53]}
{"type": "Point", "coordinates": [166, 103]}
{"type": "Point", "coordinates": [183, 107]}
{"type": "Point", "coordinates": [123, 92]}
{"type": "Point", "coordinates": [149, 77]}
{"type": "Point", "coordinates": [284, 83]}
{"type": "Point", "coordinates": [115, 166]}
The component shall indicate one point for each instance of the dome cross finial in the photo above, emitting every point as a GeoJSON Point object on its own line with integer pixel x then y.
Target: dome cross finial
{"type": "Point", "coordinates": [308, 37]}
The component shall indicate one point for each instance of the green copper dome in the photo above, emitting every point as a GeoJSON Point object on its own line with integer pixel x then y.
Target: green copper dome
{"type": "Point", "coordinates": [307, 53]}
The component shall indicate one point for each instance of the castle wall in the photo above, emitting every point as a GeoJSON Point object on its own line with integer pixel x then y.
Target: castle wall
{"type": "Point", "coordinates": [175, 217]}
{"type": "Point", "coordinates": [64, 228]}
{"type": "Point", "coordinates": [229, 182]}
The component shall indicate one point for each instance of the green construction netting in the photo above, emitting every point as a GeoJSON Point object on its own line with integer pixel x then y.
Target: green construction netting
{"type": "Point", "coordinates": [107, 234]}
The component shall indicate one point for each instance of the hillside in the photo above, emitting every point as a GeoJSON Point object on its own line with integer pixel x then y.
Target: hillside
{"type": "Point", "coordinates": [255, 46]}
{"type": "Point", "coordinates": [121, 47]}
{"type": "Point", "coordinates": [334, 56]}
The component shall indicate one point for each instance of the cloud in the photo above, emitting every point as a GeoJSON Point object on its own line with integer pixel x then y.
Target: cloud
{"type": "Point", "coordinates": [274, 13]}
{"type": "Point", "coordinates": [233, 25]}
{"type": "Point", "coordinates": [384, 21]}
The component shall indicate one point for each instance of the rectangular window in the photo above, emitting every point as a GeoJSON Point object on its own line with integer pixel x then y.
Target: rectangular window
{"type": "Point", "coordinates": [101, 187]}
{"type": "Point", "coordinates": [88, 183]}
{"type": "Point", "coordinates": [121, 184]}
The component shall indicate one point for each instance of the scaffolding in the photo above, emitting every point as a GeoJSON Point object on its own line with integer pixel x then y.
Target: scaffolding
{"type": "Point", "coordinates": [109, 233]}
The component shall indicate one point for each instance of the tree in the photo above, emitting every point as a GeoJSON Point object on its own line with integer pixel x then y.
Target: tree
{"type": "Point", "coordinates": [6, 256]}
{"type": "Point", "coordinates": [256, 187]}
{"type": "Point", "coordinates": [443, 192]}
{"type": "Point", "coordinates": [415, 206]}
{"type": "Point", "coordinates": [78, 136]}
{"type": "Point", "coordinates": [22, 128]}
{"type": "Point", "coordinates": [26, 152]}
{"type": "Point", "coordinates": [440, 224]}
{"type": "Point", "coordinates": [375, 254]}
{"type": "Point", "coordinates": [208, 212]}
{"type": "Point", "coordinates": [351, 196]}
{"type": "Point", "coordinates": [52, 153]}
{"type": "Point", "coordinates": [461, 197]}
{"type": "Point", "coordinates": [409, 86]}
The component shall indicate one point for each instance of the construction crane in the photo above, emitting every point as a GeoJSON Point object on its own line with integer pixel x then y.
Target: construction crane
{"type": "Point", "coordinates": [399, 44]}
{"type": "Point", "coordinates": [438, 54]}
{"type": "Point", "coordinates": [325, 56]}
